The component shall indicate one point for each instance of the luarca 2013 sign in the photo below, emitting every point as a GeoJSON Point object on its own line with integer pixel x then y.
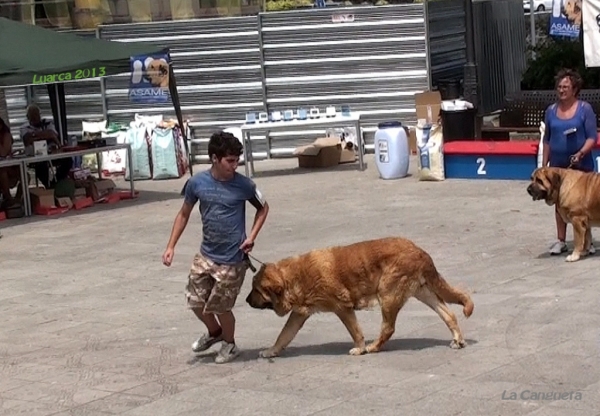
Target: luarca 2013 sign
{"type": "Point", "coordinates": [69, 75]}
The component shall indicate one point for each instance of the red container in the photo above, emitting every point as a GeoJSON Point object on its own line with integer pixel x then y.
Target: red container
{"type": "Point", "coordinates": [127, 194]}
{"type": "Point", "coordinates": [112, 198]}
{"type": "Point", "coordinates": [39, 210]}
{"type": "Point", "coordinates": [84, 203]}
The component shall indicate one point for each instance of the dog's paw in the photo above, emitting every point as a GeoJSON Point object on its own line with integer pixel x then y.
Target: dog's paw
{"type": "Point", "coordinates": [270, 353]}
{"type": "Point", "coordinates": [457, 345]}
{"type": "Point", "coordinates": [373, 348]}
{"type": "Point", "coordinates": [357, 351]}
{"type": "Point", "coordinates": [573, 257]}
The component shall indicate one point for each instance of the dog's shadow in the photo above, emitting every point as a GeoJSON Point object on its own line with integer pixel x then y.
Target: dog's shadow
{"type": "Point", "coordinates": [546, 255]}
{"type": "Point", "coordinates": [334, 348]}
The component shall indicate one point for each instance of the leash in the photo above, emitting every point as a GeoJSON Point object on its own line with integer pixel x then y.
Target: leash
{"type": "Point", "coordinates": [251, 266]}
{"type": "Point", "coordinates": [572, 162]}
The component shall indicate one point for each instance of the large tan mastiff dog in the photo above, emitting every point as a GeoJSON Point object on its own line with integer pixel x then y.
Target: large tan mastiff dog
{"type": "Point", "coordinates": [576, 195]}
{"type": "Point", "coordinates": [344, 279]}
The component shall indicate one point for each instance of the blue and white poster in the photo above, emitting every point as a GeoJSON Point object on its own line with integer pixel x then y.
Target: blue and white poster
{"type": "Point", "coordinates": [149, 82]}
{"type": "Point", "coordinates": [566, 18]}
{"type": "Point", "coordinates": [591, 33]}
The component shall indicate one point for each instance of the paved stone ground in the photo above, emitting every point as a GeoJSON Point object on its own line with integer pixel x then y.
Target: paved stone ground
{"type": "Point", "coordinates": [95, 325]}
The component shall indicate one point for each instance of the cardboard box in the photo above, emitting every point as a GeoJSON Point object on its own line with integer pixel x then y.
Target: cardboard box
{"type": "Point", "coordinates": [428, 105]}
{"type": "Point", "coordinates": [322, 153]}
{"type": "Point", "coordinates": [348, 156]}
{"type": "Point", "coordinates": [412, 140]}
{"type": "Point", "coordinates": [80, 193]}
{"type": "Point", "coordinates": [64, 202]}
{"type": "Point", "coordinates": [42, 197]}
{"type": "Point", "coordinates": [100, 189]}
{"type": "Point", "coordinates": [348, 152]}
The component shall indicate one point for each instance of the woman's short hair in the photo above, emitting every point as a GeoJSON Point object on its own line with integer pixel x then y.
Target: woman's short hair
{"type": "Point", "coordinates": [574, 77]}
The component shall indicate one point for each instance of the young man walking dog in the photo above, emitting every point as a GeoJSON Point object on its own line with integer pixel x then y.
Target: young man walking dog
{"type": "Point", "coordinates": [218, 270]}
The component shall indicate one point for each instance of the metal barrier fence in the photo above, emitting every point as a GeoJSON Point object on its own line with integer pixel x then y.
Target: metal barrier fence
{"type": "Point", "coordinates": [373, 59]}
{"type": "Point", "coordinates": [228, 66]}
{"type": "Point", "coordinates": [218, 67]}
{"type": "Point", "coordinates": [501, 49]}
{"type": "Point", "coordinates": [375, 64]}
{"type": "Point", "coordinates": [446, 39]}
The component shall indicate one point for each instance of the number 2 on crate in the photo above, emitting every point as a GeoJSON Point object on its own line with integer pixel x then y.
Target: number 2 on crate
{"type": "Point", "coordinates": [481, 166]}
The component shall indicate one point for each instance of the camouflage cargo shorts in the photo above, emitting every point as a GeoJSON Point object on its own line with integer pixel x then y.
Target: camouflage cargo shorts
{"type": "Point", "coordinates": [214, 287]}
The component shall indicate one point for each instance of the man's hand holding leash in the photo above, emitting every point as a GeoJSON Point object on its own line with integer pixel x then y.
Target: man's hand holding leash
{"type": "Point", "coordinates": [247, 245]}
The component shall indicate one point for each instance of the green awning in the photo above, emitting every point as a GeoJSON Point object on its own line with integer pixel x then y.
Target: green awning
{"type": "Point", "coordinates": [34, 55]}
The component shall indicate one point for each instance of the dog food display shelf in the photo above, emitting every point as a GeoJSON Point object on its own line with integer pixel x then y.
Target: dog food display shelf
{"type": "Point", "coordinates": [490, 160]}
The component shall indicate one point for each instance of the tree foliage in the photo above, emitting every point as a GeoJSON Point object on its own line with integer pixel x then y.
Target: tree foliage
{"type": "Point", "coordinates": [279, 5]}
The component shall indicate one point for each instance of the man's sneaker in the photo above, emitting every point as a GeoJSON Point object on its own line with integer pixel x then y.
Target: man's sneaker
{"type": "Point", "coordinates": [558, 248]}
{"type": "Point", "coordinates": [592, 249]}
{"type": "Point", "coordinates": [205, 342]}
{"type": "Point", "coordinates": [227, 353]}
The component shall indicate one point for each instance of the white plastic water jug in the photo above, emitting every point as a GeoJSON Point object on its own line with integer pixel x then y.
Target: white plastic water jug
{"type": "Point", "coordinates": [391, 150]}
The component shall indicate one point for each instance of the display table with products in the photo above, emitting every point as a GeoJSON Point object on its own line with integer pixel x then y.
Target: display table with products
{"type": "Point", "coordinates": [70, 152]}
{"type": "Point", "coordinates": [339, 120]}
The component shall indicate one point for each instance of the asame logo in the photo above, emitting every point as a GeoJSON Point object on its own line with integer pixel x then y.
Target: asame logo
{"type": "Point", "coordinates": [149, 79]}
{"type": "Point", "coordinates": [153, 71]}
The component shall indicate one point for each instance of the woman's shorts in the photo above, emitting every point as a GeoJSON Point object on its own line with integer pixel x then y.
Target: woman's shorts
{"type": "Point", "coordinates": [214, 287]}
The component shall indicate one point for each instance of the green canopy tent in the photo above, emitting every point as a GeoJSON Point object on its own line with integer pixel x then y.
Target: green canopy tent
{"type": "Point", "coordinates": [33, 55]}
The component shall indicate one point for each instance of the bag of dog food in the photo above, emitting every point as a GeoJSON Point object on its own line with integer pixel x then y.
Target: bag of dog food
{"type": "Point", "coordinates": [430, 154]}
{"type": "Point", "coordinates": [164, 156]}
{"type": "Point", "coordinates": [141, 169]}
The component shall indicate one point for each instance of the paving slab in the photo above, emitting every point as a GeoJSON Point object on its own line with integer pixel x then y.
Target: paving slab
{"type": "Point", "coordinates": [94, 324]}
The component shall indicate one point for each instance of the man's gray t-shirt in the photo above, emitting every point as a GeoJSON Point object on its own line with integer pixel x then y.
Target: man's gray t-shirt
{"type": "Point", "coordinates": [223, 210]}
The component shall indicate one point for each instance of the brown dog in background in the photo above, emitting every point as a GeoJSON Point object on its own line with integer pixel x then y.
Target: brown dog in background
{"type": "Point", "coordinates": [344, 279]}
{"type": "Point", "coordinates": [576, 195]}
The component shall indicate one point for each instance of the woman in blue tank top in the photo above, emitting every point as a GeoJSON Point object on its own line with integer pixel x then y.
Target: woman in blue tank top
{"type": "Point", "coordinates": [570, 135]}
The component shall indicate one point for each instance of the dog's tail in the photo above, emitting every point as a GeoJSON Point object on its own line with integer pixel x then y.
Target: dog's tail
{"type": "Point", "coordinates": [453, 295]}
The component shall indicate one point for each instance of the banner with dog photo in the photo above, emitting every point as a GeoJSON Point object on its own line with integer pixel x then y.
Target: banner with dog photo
{"type": "Point", "coordinates": [565, 20]}
{"type": "Point", "coordinates": [591, 33]}
{"type": "Point", "coordinates": [149, 82]}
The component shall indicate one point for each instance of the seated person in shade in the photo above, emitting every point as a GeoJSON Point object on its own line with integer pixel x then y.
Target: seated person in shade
{"type": "Point", "coordinates": [36, 129]}
{"type": "Point", "coordinates": [9, 176]}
